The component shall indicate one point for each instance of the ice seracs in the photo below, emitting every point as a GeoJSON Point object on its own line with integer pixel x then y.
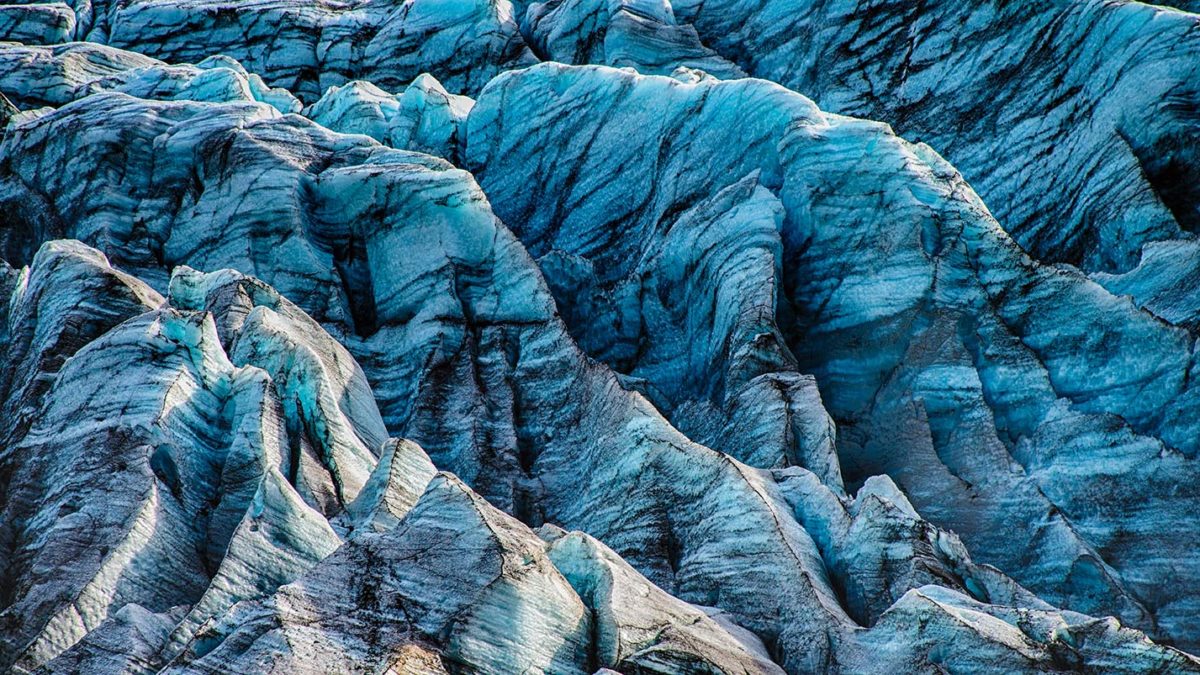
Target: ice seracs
{"type": "Point", "coordinates": [310, 46]}
{"type": "Point", "coordinates": [55, 75]}
{"type": "Point", "coordinates": [282, 572]}
{"type": "Point", "coordinates": [942, 351]}
{"type": "Point", "coordinates": [342, 336]}
{"type": "Point", "coordinates": [423, 117]}
{"type": "Point", "coordinates": [642, 34]}
{"type": "Point", "coordinates": [37, 23]}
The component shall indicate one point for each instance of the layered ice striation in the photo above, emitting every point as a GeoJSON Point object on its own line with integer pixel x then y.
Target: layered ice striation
{"type": "Point", "coordinates": [302, 46]}
{"type": "Point", "coordinates": [55, 75]}
{"type": "Point", "coordinates": [422, 117]}
{"type": "Point", "coordinates": [977, 378]}
{"type": "Point", "coordinates": [417, 572]}
{"type": "Point", "coordinates": [346, 337]}
{"type": "Point", "coordinates": [1074, 120]}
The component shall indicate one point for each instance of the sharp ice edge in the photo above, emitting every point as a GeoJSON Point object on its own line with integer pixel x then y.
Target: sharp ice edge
{"type": "Point", "coordinates": [714, 250]}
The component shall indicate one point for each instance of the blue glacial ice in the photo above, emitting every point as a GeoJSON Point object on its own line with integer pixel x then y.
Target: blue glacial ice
{"type": "Point", "coordinates": [538, 337]}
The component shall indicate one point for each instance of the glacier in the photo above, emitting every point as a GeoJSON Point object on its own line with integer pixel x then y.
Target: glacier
{"type": "Point", "coordinates": [598, 337]}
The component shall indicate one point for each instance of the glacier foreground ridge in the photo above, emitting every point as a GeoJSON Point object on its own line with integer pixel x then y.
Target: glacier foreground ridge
{"type": "Point", "coordinates": [432, 336]}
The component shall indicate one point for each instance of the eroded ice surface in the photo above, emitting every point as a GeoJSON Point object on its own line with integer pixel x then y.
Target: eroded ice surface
{"type": "Point", "coordinates": [344, 336]}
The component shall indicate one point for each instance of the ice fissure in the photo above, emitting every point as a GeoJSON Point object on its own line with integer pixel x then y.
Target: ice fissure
{"type": "Point", "coordinates": [574, 337]}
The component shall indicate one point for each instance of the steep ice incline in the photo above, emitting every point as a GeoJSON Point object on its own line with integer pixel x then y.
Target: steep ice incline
{"type": "Point", "coordinates": [303, 46]}
{"type": "Point", "coordinates": [345, 337]}
{"type": "Point", "coordinates": [241, 446]}
{"type": "Point", "coordinates": [1000, 394]}
{"type": "Point", "coordinates": [1094, 99]}
{"type": "Point", "coordinates": [446, 581]}
{"type": "Point", "coordinates": [469, 359]}
{"type": "Point", "coordinates": [1075, 120]}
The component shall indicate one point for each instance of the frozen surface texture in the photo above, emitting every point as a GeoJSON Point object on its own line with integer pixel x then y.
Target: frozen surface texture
{"type": "Point", "coordinates": [345, 337]}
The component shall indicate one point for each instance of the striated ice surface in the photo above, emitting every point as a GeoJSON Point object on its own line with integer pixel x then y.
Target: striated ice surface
{"type": "Point", "coordinates": [1094, 99]}
{"type": "Point", "coordinates": [343, 337]}
{"type": "Point", "coordinates": [423, 117]}
{"type": "Point", "coordinates": [931, 334]}
{"type": "Point", "coordinates": [37, 23]}
{"type": "Point", "coordinates": [431, 577]}
{"type": "Point", "coordinates": [642, 34]}
{"type": "Point", "coordinates": [55, 75]}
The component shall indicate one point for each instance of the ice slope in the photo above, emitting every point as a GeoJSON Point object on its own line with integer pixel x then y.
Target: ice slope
{"type": "Point", "coordinates": [422, 117]}
{"type": "Point", "coordinates": [1094, 99]}
{"type": "Point", "coordinates": [998, 392]}
{"type": "Point", "coordinates": [304, 47]}
{"type": "Point", "coordinates": [1074, 119]}
{"type": "Point", "coordinates": [34, 76]}
{"type": "Point", "coordinates": [444, 581]}
{"type": "Point", "coordinates": [596, 371]}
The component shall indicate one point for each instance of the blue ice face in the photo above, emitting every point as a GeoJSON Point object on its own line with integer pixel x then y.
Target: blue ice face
{"type": "Point", "coordinates": [345, 335]}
